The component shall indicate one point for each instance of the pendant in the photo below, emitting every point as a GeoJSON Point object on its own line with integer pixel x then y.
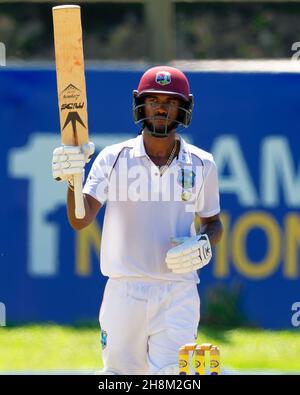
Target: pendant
{"type": "Point", "coordinates": [185, 195]}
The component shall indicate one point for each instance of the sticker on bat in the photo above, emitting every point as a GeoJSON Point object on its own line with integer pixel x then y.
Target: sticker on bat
{"type": "Point", "coordinates": [72, 106]}
{"type": "Point", "coordinates": [71, 92]}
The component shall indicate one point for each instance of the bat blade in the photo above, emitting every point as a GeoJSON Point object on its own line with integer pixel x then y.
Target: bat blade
{"type": "Point", "coordinates": [71, 86]}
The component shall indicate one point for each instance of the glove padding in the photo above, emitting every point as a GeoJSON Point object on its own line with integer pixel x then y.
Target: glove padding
{"type": "Point", "coordinates": [68, 161]}
{"type": "Point", "coordinates": [191, 254]}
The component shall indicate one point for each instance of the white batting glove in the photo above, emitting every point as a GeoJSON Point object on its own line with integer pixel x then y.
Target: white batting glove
{"type": "Point", "coordinates": [190, 254]}
{"type": "Point", "coordinates": [175, 241]}
{"type": "Point", "coordinates": [68, 161]}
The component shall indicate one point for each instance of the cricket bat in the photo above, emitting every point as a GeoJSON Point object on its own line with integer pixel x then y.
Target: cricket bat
{"type": "Point", "coordinates": [71, 87]}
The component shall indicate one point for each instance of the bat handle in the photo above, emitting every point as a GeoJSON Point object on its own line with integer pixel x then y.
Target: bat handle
{"type": "Point", "coordinates": [79, 203]}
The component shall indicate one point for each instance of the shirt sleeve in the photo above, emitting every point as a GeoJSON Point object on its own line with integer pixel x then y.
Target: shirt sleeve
{"type": "Point", "coordinates": [97, 181]}
{"type": "Point", "coordinates": [208, 201]}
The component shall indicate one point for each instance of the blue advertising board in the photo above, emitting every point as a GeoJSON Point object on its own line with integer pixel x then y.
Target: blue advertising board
{"type": "Point", "coordinates": [249, 121]}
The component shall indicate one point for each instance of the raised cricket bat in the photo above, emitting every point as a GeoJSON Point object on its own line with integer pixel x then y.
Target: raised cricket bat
{"type": "Point", "coordinates": [71, 85]}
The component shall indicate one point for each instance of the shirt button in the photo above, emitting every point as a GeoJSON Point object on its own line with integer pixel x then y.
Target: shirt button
{"type": "Point", "coordinates": [156, 174]}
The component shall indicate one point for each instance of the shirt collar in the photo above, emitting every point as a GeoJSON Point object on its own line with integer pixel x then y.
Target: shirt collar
{"type": "Point", "coordinates": [139, 148]}
{"type": "Point", "coordinates": [184, 155]}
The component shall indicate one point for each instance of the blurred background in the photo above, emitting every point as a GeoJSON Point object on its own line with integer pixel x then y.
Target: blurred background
{"type": "Point", "coordinates": [242, 62]}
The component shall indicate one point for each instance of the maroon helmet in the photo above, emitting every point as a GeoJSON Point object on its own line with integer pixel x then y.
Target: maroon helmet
{"type": "Point", "coordinates": [164, 80]}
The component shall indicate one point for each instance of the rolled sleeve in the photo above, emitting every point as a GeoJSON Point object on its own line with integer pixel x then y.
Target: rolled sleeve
{"type": "Point", "coordinates": [97, 183]}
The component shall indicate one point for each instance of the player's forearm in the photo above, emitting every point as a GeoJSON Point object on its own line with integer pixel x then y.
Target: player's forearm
{"type": "Point", "coordinates": [214, 230]}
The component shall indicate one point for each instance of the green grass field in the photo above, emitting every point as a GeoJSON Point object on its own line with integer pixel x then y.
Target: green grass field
{"type": "Point", "coordinates": [53, 347]}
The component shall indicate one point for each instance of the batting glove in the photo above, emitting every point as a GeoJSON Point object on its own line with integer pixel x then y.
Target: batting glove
{"type": "Point", "coordinates": [190, 254]}
{"type": "Point", "coordinates": [68, 161]}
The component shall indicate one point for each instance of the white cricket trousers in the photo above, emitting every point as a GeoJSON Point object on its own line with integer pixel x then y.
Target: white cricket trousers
{"type": "Point", "coordinates": [144, 323]}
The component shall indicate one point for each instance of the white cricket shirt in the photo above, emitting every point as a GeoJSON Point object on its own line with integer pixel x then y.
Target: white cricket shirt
{"type": "Point", "coordinates": [145, 210]}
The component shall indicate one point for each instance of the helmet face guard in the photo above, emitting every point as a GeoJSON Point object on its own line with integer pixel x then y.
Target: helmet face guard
{"type": "Point", "coordinates": [167, 81]}
{"type": "Point", "coordinates": [183, 119]}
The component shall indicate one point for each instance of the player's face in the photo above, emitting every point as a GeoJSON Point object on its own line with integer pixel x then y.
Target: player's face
{"type": "Point", "coordinates": [161, 111]}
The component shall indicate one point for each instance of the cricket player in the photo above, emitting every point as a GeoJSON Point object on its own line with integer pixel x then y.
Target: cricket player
{"type": "Point", "coordinates": [154, 187]}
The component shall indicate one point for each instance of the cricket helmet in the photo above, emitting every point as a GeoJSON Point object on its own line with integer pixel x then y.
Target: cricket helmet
{"type": "Point", "coordinates": [164, 80]}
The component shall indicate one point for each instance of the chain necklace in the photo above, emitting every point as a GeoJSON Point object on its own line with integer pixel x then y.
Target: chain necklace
{"type": "Point", "coordinates": [162, 169]}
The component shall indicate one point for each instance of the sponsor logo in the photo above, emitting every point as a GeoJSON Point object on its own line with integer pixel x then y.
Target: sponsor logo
{"type": "Point", "coordinates": [103, 339]}
{"type": "Point", "coordinates": [182, 363]}
{"type": "Point", "coordinates": [72, 106]}
{"type": "Point", "coordinates": [2, 314]}
{"type": "Point", "coordinates": [2, 54]}
{"type": "Point", "coordinates": [296, 316]}
{"type": "Point", "coordinates": [198, 364]}
{"type": "Point", "coordinates": [214, 364]}
{"type": "Point", "coordinates": [70, 92]}
{"type": "Point", "coordinates": [186, 178]}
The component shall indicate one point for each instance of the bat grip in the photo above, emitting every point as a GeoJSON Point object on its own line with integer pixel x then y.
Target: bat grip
{"type": "Point", "coordinates": [79, 203]}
